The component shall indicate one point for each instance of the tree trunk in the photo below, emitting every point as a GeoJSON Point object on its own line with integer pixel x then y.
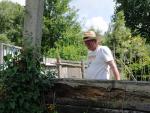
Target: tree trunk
{"type": "Point", "coordinates": [33, 25]}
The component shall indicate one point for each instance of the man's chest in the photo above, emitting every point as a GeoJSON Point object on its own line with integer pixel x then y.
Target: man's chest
{"type": "Point", "coordinates": [95, 58]}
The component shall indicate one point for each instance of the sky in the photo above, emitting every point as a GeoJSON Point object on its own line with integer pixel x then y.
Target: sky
{"type": "Point", "coordinates": [96, 13]}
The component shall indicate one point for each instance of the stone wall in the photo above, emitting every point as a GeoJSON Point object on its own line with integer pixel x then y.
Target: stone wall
{"type": "Point", "coordinates": [95, 96]}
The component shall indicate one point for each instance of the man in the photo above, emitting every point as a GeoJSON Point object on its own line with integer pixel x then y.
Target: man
{"type": "Point", "coordinates": [100, 59]}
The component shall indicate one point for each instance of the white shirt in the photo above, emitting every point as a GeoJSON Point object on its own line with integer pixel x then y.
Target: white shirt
{"type": "Point", "coordinates": [97, 63]}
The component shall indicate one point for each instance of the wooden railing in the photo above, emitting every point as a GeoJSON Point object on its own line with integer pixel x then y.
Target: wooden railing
{"type": "Point", "coordinates": [8, 49]}
{"type": "Point", "coordinates": [97, 96]}
{"type": "Point", "coordinates": [65, 68]}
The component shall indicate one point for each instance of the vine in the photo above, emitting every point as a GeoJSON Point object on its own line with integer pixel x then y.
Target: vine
{"type": "Point", "coordinates": [22, 84]}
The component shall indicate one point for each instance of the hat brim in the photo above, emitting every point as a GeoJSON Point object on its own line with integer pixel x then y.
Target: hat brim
{"type": "Point", "coordinates": [89, 38]}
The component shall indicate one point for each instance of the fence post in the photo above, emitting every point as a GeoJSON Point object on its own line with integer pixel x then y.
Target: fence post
{"type": "Point", "coordinates": [1, 53]}
{"type": "Point", "coordinates": [59, 67]}
{"type": "Point", "coordinates": [82, 68]}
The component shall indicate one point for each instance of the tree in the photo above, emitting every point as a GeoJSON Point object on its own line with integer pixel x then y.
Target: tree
{"type": "Point", "coordinates": [62, 35]}
{"type": "Point", "coordinates": [131, 53]}
{"type": "Point", "coordinates": [70, 47]}
{"type": "Point", "coordinates": [11, 21]}
{"type": "Point", "coordinates": [60, 23]}
{"type": "Point", "coordinates": [137, 16]}
{"type": "Point", "coordinates": [61, 30]}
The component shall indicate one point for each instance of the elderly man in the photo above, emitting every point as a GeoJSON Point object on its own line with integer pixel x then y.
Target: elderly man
{"type": "Point", "coordinates": [100, 59]}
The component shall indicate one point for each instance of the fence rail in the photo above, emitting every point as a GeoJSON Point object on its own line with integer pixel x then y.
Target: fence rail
{"type": "Point", "coordinates": [8, 49]}
{"type": "Point", "coordinates": [65, 68]}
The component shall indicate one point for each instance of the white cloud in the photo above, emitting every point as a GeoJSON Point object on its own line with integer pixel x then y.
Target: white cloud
{"type": "Point", "coordinates": [98, 23]}
{"type": "Point", "coordinates": [94, 8]}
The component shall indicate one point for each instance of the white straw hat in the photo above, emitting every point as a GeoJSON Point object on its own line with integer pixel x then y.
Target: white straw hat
{"type": "Point", "coordinates": [89, 35]}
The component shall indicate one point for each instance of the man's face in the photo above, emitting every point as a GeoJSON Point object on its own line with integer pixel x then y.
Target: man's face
{"type": "Point", "coordinates": [91, 44]}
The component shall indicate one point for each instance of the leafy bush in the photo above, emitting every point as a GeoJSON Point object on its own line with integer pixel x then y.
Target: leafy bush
{"type": "Point", "coordinates": [22, 85]}
{"type": "Point", "coordinates": [70, 52]}
{"type": "Point", "coordinates": [4, 39]}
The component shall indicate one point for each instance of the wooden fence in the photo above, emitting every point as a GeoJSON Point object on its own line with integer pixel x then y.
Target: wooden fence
{"type": "Point", "coordinates": [99, 96]}
{"type": "Point", "coordinates": [8, 49]}
{"type": "Point", "coordinates": [65, 68]}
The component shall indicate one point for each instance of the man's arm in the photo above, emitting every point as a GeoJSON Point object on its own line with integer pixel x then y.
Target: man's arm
{"type": "Point", "coordinates": [114, 69]}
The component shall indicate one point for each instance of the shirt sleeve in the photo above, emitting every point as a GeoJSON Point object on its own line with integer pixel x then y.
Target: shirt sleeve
{"type": "Point", "coordinates": [107, 54]}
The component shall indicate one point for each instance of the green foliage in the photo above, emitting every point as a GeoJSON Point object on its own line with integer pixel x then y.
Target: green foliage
{"type": "Point", "coordinates": [4, 39]}
{"type": "Point", "coordinates": [69, 48]}
{"type": "Point", "coordinates": [130, 52]}
{"type": "Point", "coordinates": [11, 21]}
{"type": "Point", "coordinates": [60, 25]}
{"type": "Point", "coordinates": [137, 16]}
{"type": "Point", "coordinates": [70, 52]}
{"type": "Point", "coordinates": [62, 33]}
{"type": "Point", "coordinates": [22, 85]}
{"type": "Point", "coordinates": [60, 28]}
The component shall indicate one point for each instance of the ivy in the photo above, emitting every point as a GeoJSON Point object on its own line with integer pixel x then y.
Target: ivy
{"type": "Point", "coordinates": [22, 84]}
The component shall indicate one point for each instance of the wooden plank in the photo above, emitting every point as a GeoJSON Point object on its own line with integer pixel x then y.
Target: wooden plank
{"type": "Point", "coordinates": [96, 94]}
